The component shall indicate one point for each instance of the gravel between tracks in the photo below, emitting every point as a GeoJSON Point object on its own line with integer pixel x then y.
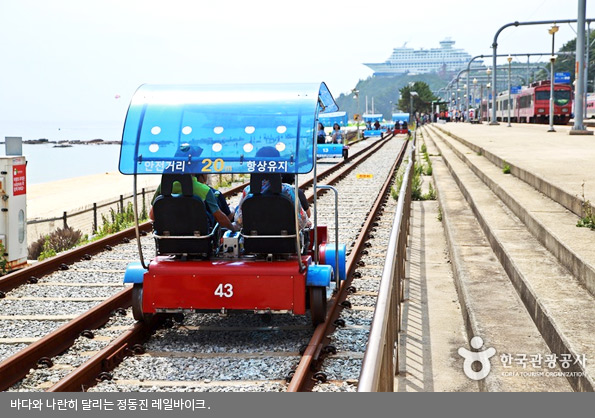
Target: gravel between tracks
{"type": "Point", "coordinates": [356, 195]}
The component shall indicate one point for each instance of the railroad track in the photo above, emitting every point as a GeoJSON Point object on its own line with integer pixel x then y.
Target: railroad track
{"type": "Point", "coordinates": [101, 350]}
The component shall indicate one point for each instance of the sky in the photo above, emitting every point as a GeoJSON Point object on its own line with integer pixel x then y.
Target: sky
{"type": "Point", "coordinates": [75, 61]}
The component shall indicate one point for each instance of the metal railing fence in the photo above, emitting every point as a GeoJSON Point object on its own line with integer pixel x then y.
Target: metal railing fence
{"type": "Point", "coordinates": [87, 219]}
{"type": "Point", "coordinates": [381, 362]}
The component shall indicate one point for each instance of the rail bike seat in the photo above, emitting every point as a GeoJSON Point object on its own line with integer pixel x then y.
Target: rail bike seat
{"type": "Point", "coordinates": [181, 224]}
{"type": "Point", "coordinates": [268, 218]}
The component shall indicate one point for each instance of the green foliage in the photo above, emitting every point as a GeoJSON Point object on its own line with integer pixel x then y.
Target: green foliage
{"type": "Point", "coordinates": [506, 168]}
{"type": "Point", "coordinates": [588, 220]}
{"type": "Point", "coordinates": [422, 102]}
{"type": "Point", "coordinates": [416, 183]}
{"type": "Point", "coordinates": [117, 221]}
{"type": "Point", "coordinates": [566, 63]}
{"type": "Point", "coordinates": [61, 239]}
{"type": "Point", "coordinates": [47, 250]}
{"type": "Point", "coordinates": [427, 170]}
{"type": "Point", "coordinates": [385, 90]}
{"type": "Point", "coordinates": [439, 217]}
{"type": "Point", "coordinates": [394, 190]}
{"type": "Point", "coordinates": [3, 260]}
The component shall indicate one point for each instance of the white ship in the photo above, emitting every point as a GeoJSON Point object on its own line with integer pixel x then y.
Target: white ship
{"type": "Point", "coordinates": [418, 61]}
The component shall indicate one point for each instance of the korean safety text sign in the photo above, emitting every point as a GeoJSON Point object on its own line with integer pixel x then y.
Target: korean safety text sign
{"type": "Point", "coordinates": [19, 179]}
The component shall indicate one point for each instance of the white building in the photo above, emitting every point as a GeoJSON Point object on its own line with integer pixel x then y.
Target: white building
{"type": "Point", "coordinates": [418, 61]}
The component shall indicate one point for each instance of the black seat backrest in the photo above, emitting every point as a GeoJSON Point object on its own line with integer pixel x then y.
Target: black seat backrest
{"type": "Point", "coordinates": [180, 215]}
{"type": "Point", "coordinates": [270, 213]}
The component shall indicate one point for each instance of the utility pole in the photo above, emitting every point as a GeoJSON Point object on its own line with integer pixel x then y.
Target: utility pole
{"type": "Point", "coordinates": [578, 128]}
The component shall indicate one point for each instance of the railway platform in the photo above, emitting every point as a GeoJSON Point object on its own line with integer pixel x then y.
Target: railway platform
{"type": "Point", "coordinates": [509, 202]}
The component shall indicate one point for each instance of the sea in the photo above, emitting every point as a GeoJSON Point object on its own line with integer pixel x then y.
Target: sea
{"type": "Point", "coordinates": [47, 162]}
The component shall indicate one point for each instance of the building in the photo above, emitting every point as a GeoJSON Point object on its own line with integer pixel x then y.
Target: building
{"type": "Point", "coordinates": [405, 60]}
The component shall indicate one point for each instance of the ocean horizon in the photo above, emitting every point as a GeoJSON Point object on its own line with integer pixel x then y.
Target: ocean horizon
{"type": "Point", "coordinates": [46, 163]}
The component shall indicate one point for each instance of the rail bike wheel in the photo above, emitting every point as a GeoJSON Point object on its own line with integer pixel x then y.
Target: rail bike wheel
{"type": "Point", "coordinates": [317, 304]}
{"type": "Point", "coordinates": [137, 304]}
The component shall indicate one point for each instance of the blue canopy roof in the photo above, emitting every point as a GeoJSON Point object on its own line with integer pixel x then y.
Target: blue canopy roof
{"type": "Point", "coordinates": [401, 116]}
{"type": "Point", "coordinates": [373, 117]}
{"type": "Point", "coordinates": [328, 119]}
{"type": "Point", "coordinates": [223, 128]}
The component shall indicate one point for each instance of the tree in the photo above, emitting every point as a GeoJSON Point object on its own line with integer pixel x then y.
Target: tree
{"type": "Point", "coordinates": [422, 102]}
{"type": "Point", "coordinates": [567, 63]}
{"type": "Point", "coordinates": [385, 92]}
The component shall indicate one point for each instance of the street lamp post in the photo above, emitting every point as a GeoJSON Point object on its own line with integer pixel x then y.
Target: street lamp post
{"type": "Point", "coordinates": [552, 60]}
{"type": "Point", "coordinates": [465, 103]}
{"type": "Point", "coordinates": [481, 103]}
{"type": "Point", "coordinates": [474, 97]}
{"type": "Point", "coordinates": [552, 31]}
{"type": "Point", "coordinates": [488, 90]}
{"type": "Point", "coordinates": [509, 94]}
{"type": "Point", "coordinates": [356, 97]}
{"type": "Point", "coordinates": [491, 121]}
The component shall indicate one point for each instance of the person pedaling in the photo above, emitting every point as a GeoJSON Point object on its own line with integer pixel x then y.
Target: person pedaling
{"type": "Point", "coordinates": [271, 259]}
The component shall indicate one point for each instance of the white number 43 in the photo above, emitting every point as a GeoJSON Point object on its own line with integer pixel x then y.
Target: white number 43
{"type": "Point", "coordinates": [224, 290]}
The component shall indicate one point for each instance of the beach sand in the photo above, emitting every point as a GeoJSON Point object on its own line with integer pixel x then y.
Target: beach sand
{"type": "Point", "coordinates": [52, 199]}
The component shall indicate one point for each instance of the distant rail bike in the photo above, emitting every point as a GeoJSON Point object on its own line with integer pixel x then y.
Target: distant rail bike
{"type": "Point", "coordinates": [270, 265]}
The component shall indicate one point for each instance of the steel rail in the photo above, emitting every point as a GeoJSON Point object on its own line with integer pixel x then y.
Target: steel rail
{"type": "Point", "coordinates": [50, 265]}
{"type": "Point", "coordinates": [109, 357]}
{"type": "Point", "coordinates": [303, 373]}
{"type": "Point", "coordinates": [380, 363]}
{"type": "Point", "coordinates": [17, 366]}
{"type": "Point", "coordinates": [105, 360]}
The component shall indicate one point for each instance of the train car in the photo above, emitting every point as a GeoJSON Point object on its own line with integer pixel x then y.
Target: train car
{"type": "Point", "coordinates": [270, 265]}
{"type": "Point", "coordinates": [485, 111]}
{"type": "Point", "coordinates": [590, 114]}
{"type": "Point", "coordinates": [533, 103]}
{"type": "Point", "coordinates": [502, 103]}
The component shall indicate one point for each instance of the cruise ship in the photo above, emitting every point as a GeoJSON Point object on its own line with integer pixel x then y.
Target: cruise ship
{"type": "Point", "coordinates": [418, 61]}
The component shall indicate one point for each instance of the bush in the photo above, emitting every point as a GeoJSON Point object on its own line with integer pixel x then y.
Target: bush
{"type": "Point", "coordinates": [3, 260]}
{"type": "Point", "coordinates": [118, 221]}
{"type": "Point", "coordinates": [49, 245]}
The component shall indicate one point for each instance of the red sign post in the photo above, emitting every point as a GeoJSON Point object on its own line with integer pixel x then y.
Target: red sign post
{"type": "Point", "coordinates": [19, 179]}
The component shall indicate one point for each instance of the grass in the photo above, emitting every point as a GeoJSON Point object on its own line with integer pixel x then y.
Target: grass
{"type": "Point", "coordinates": [506, 168]}
{"type": "Point", "coordinates": [588, 219]}
{"type": "Point", "coordinates": [416, 182]}
{"type": "Point", "coordinates": [63, 239]}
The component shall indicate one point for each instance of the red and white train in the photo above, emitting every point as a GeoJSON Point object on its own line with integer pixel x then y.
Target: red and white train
{"type": "Point", "coordinates": [590, 114]}
{"type": "Point", "coordinates": [532, 104]}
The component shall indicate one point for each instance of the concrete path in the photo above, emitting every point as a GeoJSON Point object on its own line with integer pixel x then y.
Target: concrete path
{"type": "Point", "coordinates": [563, 161]}
{"type": "Point", "coordinates": [520, 229]}
{"type": "Point", "coordinates": [433, 327]}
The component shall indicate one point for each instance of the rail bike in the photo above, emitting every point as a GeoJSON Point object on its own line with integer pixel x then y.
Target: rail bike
{"type": "Point", "coordinates": [270, 265]}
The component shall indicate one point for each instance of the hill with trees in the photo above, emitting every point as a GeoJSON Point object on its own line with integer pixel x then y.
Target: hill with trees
{"type": "Point", "coordinates": [391, 94]}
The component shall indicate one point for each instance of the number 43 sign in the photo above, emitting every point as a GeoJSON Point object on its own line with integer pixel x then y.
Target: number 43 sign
{"type": "Point", "coordinates": [224, 290]}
